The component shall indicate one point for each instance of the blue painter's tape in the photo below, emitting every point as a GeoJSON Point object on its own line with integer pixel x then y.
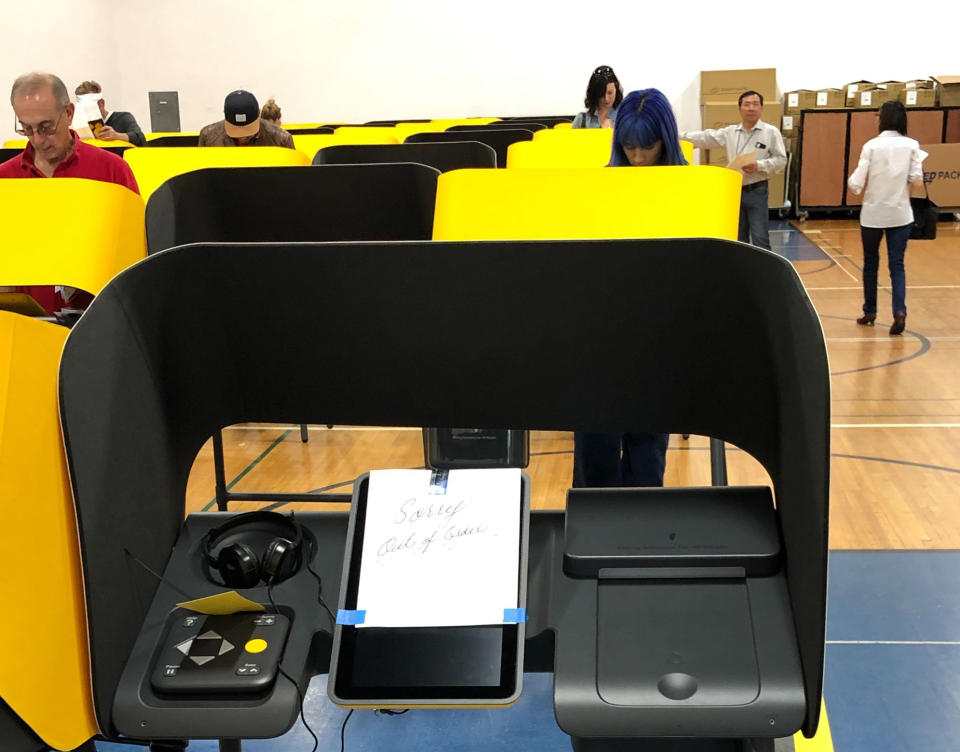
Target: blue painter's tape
{"type": "Point", "coordinates": [351, 618]}
{"type": "Point", "coordinates": [514, 615]}
{"type": "Point", "coordinates": [438, 482]}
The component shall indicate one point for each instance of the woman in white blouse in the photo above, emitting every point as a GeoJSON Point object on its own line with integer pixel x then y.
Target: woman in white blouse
{"type": "Point", "coordinates": [889, 164]}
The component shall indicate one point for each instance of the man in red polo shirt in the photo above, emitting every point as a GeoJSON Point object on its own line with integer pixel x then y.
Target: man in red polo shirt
{"type": "Point", "coordinates": [44, 113]}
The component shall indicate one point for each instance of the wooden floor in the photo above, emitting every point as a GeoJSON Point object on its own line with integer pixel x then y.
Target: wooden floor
{"type": "Point", "coordinates": [895, 471]}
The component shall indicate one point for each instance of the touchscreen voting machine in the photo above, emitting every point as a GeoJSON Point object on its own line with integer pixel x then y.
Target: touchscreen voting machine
{"type": "Point", "coordinates": [433, 593]}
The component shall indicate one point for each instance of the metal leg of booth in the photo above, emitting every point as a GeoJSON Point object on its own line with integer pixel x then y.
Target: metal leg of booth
{"type": "Point", "coordinates": [225, 496]}
{"type": "Point", "coordinates": [718, 462]}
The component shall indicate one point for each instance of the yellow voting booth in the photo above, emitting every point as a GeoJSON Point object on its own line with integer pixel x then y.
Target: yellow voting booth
{"type": "Point", "coordinates": [556, 203]}
{"type": "Point", "coordinates": [46, 671]}
{"type": "Point", "coordinates": [157, 164]}
{"type": "Point", "coordinates": [580, 147]}
{"type": "Point", "coordinates": [21, 143]}
{"type": "Point", "coordinates": [311, 143]}
{"type": "Point", "coordinates": [97, 232]}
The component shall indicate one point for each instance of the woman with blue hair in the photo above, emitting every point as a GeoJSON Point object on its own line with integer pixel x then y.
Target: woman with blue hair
{"type": "Point", "coordinates": [645, 134]}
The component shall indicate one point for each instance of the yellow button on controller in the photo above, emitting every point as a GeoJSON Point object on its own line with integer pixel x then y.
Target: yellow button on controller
{"type": "Point", "coordinates": [255, 646]}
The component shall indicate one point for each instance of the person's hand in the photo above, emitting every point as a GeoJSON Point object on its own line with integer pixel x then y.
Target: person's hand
{"type": "Point", "coordinates": [750, 168]}
{"type": "Point", "coordinates": [108, 134]}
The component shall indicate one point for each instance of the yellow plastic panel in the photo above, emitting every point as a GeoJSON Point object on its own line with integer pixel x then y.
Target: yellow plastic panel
{"type": "Point", "coordinates": [157, 164]}
{"type": "Point", "coordinates": [46, 669]}
{"type": "Point", "coordinates": [614, 202]}
{"type": "Point", "coordinates": [118, 143]}
{"type": "Point", "coordinates": [575, 137]}
{"type": "Point", "coordinates": [563, 126]}
{"type": "Point", "coordinates": [584, 147]}
{"type": "Point", "coordinates": [17, 143]}
{"type": "Point", "coordinates": [572, 151]}
{"type": "Point", "coordinates": [98, 232]}
{"type": "Point", "coordinates": [373, 135]}
{"type": "Point", "coordinates": [161, 134]}
{"type": "Point", "coordinates": [440, 124]}
{"type": "Point", "coordinates": [311, 143]}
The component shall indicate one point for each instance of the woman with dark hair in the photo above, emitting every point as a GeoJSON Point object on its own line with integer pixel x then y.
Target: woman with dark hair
{"type": "Point", "coordinates": [604, 95]}
{"type": "Point", "coordinates": [888, 165]}
{"type": "Point", "coordinates": [645, 135]}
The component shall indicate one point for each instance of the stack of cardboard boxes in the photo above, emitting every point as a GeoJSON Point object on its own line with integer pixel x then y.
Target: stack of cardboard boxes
{"type": "Point", "coordinates": [867, 95]}
{"type": "Point", "coordinates": [719, 92]}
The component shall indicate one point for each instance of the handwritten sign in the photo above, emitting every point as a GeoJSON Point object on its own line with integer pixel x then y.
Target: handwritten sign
{"type": "Point", "coordinates": [440, 559]}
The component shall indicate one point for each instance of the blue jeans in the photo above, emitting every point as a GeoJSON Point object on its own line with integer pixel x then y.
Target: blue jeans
{"type": "Point", "coordinates": [609, 460]}
{"type": "Point", "coordinates": [755, 215]}
{"type": "Point", "coordinates": [897, 238]}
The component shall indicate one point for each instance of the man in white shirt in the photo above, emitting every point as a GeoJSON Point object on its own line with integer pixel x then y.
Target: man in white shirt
{"type": "Point", "coordinates": [752, 135]}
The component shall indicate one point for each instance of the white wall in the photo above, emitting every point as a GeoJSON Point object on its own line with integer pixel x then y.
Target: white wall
{"type": "Point", "coordinates": [375, 59]}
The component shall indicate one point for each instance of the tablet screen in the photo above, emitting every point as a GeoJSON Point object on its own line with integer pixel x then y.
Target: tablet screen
{"type": "Point", "coordinates": [442, 664]}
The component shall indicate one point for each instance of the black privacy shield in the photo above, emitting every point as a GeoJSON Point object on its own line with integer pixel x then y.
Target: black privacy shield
{"type": "Point", "coordinates": [696, 336]}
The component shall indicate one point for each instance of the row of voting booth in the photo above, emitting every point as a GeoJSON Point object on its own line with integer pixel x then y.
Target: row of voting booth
{"type": "Point", "coordinates": [513, 147]}
{"type": "Point", "coordinates": [534, 280]}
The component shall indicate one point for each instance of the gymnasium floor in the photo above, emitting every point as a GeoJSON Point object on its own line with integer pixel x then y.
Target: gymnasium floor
{"type": "Point", "coordinates": [893, 635]}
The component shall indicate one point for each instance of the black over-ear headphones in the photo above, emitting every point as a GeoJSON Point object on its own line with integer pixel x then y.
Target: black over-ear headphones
{"type": "Point", "coordinates": [238, 564]}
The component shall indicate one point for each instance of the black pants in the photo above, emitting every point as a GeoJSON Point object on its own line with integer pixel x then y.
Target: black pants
{"type": "Point", "coordinates": [604, 460]}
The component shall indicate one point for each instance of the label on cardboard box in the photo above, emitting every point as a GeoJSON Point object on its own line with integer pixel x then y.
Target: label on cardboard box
{"type": "Point", "coordinates": [866, 98]}
{"type": "Point", "coordinates": [787, 123]}
{"type": "Point", "coordinates": [793, 101]}
{"type": "Point", "coordinates": [821, 99]}
{"type": "Point", "coordinates": [912, 96]}
{"type": "Point", "coordinates": [852, 90]}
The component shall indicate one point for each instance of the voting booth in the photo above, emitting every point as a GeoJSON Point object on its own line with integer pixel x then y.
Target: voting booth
{"type": "Point", "coordinates": [620, 588]}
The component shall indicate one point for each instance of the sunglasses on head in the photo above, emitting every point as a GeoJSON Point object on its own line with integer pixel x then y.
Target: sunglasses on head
{"type": "Point", "coordinates": [603, 70]}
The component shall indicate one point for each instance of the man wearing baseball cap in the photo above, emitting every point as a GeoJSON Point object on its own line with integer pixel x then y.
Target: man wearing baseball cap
{"type": "Point", "coordinates": [242, 126]}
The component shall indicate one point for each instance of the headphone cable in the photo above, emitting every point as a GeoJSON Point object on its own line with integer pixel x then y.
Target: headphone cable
{"type": "Point", "coordinates": [343, 728]}
{"type": "Point", "coordinates": [303, 716]}
{"type": "Point", "coordinates": [320, 600]}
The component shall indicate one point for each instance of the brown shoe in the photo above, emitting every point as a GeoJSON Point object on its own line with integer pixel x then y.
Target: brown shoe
{"type": "Point", "coordinates": [867, 319]}
{"type": "Point", "coordinates": [899, 322]}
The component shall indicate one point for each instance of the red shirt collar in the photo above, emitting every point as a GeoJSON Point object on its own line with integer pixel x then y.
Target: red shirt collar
{"type": "Point", "coordinates": [29, 154]}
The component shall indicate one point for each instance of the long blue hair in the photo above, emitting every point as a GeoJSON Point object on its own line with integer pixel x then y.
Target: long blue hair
{"type": "Point", "coordinates": [644, 118]}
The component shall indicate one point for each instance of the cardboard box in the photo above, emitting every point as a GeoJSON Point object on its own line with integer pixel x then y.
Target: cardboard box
{"type": "Point", "coordinates": [918, 97]}
{"type": "Point", "coordinates": [776, 190]}
{"type": "Point", "coordinates": [941, 173]}
{"type": "Point", "coordinates": [893, 88]}
{"type": "Point", "coordinates": [827, 98]}
{"type": "Point", "coordinates": [851, 92]}
{"type": "Point", "coordinates": [715, 157]}
{"type": "Point", "coordinates": [789, 124]}
{"type": "Point", "coordinates": [726, 85]}
{"type": "Point", "coordinates": [719, 114]}
{"type": "Point", "coordinates": [948, 90]}
{"type": "Point", "coordinates": [801, 99]}
{"type": "Point", "coordinates": [871, 99]}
